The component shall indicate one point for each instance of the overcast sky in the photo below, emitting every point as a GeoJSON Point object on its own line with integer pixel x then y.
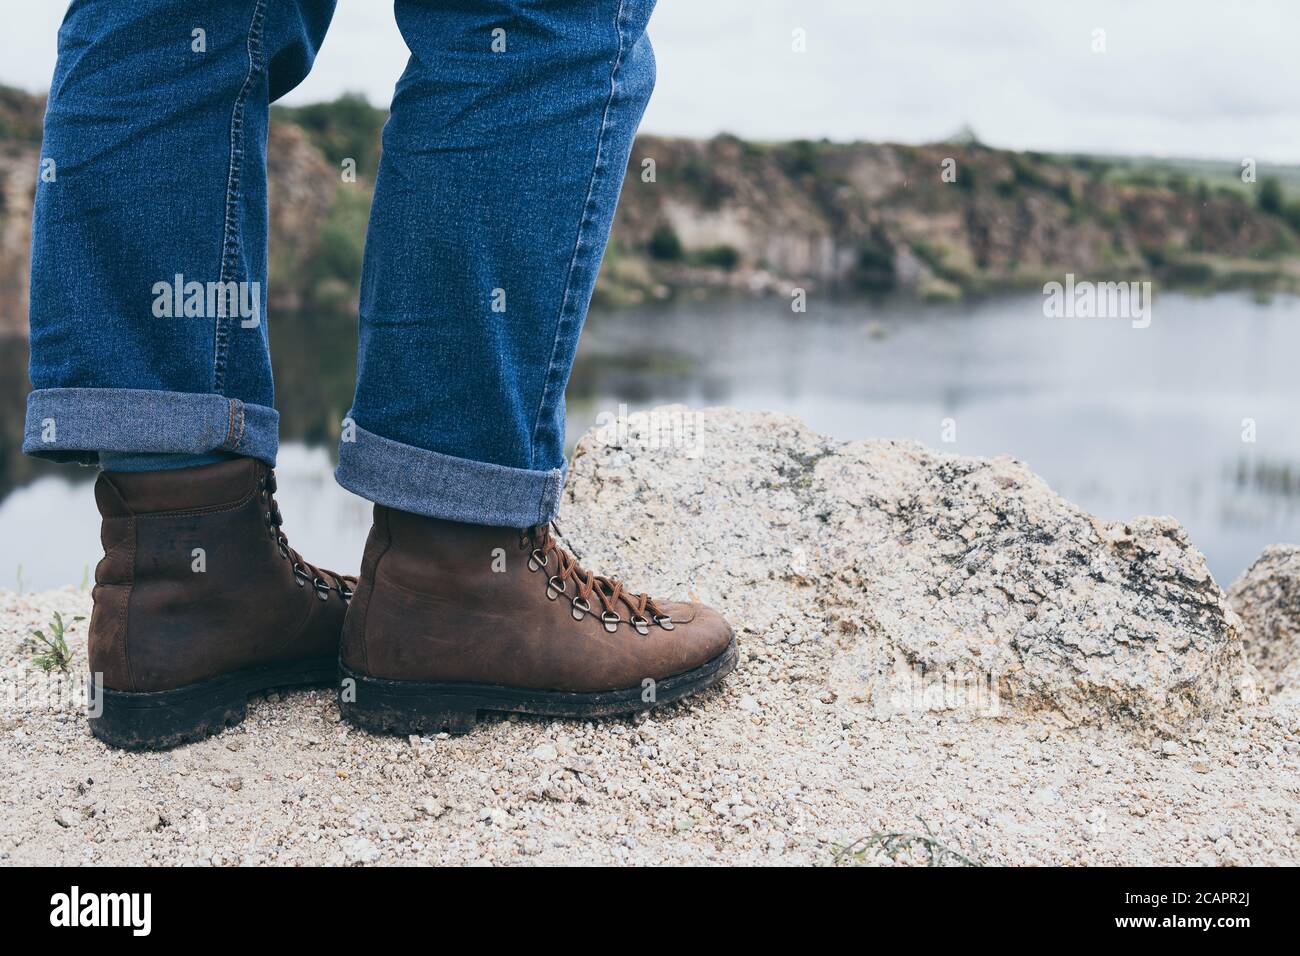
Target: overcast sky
{"type": "Point", "coordinates": [1212, 78]}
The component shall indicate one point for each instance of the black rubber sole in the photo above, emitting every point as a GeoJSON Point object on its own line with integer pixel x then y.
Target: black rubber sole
{"type": "Point", "coordinates": [419, 707]}
{"type": "Point", "coordinates": [163, 719]}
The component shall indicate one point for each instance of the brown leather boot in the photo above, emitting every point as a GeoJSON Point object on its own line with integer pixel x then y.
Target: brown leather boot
{"type": "Point", "coordinates": [200, 601]}
{"type": "Point", "coordinates": [453, 620]}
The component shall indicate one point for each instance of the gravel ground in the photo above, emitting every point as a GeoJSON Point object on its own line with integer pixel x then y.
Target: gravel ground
{"type": "Point", "coordinates": [773, 767]}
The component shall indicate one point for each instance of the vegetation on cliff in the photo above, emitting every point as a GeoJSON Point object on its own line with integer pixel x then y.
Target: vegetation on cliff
{"type": "Point", "coordinates": [941, 220]}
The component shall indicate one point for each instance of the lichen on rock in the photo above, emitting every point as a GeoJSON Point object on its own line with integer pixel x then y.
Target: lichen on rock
{"type": "Point", "coordinates": [929, 580]}
{"type": "Point", "coordinates": [1267, 597]}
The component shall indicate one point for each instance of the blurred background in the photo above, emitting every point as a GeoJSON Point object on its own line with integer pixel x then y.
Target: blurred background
{"type": "Point", "coordinates": [799, 148]}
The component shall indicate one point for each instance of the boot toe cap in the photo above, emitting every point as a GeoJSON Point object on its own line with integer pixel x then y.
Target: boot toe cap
{"type": "Point", "coordinates": [703, 632]}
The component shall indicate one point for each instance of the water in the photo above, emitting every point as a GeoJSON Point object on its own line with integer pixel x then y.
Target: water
{"type": "Point", "coordinates": [1122, 421]}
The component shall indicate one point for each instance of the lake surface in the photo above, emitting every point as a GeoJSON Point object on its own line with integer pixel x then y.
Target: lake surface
{"type": "Point", "coordinates": [1123, 421]}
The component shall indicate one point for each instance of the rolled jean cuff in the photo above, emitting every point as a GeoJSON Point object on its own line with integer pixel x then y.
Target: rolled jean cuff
{"type": "Point", "coordinates": [75, 424]}
{"type": "Point", "coordinates": [430, 483]}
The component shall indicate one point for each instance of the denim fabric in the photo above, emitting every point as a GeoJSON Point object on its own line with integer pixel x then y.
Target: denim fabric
{"type": "Point", "coordinates": [160, 170]}
{"type": "Point", "coordinates": [147, 461]}
{"type": "Point", "coordinates": [62, 421]}
{"type": "Point", "coordinates": [501, 170]}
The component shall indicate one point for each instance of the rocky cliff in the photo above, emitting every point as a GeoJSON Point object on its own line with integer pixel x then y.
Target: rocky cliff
{"type": "Point", "coordinates": [938, 221]}
{"type": "Point", "coordinates": [20, 138]}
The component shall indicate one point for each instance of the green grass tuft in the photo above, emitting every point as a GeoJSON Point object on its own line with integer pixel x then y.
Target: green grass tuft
{"type": "Point", "coordinates": [51, 652]}
{"type": "Point", "coordinates": [891, 844]}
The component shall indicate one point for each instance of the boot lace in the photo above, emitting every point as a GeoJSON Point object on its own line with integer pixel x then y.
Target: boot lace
{"type": "Point", "coordinates": [323, 582]}
{"type": "Point", "coordinates": [589, 589]}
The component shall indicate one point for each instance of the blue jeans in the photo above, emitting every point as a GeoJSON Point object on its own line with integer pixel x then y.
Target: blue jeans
{"type": "Point", "coordinates": [503, 158]}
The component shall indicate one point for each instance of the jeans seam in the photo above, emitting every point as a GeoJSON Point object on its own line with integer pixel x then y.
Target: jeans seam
{"type": "Point", "coordinates": [231, 240]}
{"type": "Point", "coordinates": [546, 486]}
{"type": "Point", "coordinates": [235, 430]}
{"type": "Point", "coordinates": [583, 227]}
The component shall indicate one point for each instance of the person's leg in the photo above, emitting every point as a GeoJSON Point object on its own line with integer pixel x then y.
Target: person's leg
{"type": "Point", "coordinates": [502, 164]}
{"type": "Point", "coordinates": [503, 160]}
{"type": "Point", "coordinates": [155, 145]}
{"type": "Point", "coordinates": [149, 348]}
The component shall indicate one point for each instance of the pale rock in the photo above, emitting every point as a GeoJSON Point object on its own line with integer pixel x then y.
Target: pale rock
{"type": "Point", "coordinates": [360, 850]}
{"type": "Point", "coordinates": [67, 817]}
{"type": "Point", "coordinates": [937, 581]}
{"type": "Point", "coordinates": [1267, 598]}
{"type": "Point", "coordinates": [545, 752]}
